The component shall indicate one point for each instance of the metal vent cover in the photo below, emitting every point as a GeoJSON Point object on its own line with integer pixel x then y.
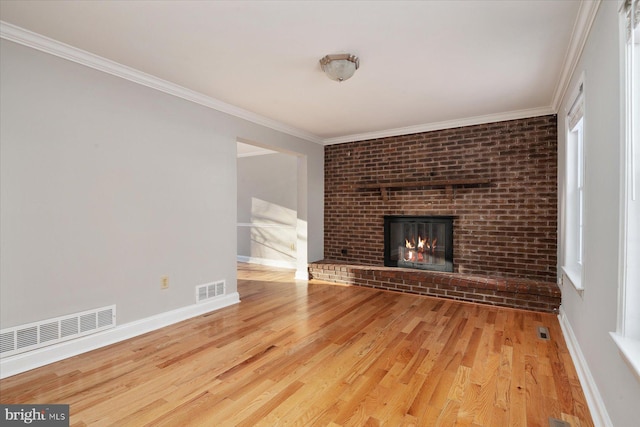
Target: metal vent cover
{"type": "Point", "coordinates": [543, 333]}
{"type": "Point", "coordinates": [7, 342]}
{"type": "Point", "coordinates": [49, 332]}
{"type": "Point", "coordinates": [210, 290]}
{"type": "Point", "coordinates": [68, 327]}
{"type": "Point", "coordinates": [554, 422]}
{"type": "Point", "coordinates": [27, 336]}
{"type": "Point", "coordinates": [23, 338]}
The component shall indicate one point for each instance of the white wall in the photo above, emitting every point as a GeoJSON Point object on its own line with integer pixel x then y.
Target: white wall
{"type": "Point", "coordinates": [267, 209]}
{"type": "Point", "coordinates": [592, 315]}
{"type": "Point", "coordinates": [107, 185]}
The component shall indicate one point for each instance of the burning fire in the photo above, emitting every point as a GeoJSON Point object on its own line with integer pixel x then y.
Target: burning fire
{"type": "Point", "coordinates": [424, 248]}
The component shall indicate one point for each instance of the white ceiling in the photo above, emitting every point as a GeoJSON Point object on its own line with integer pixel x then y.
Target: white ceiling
{"type": "Point", "coordinates": [423, 64]}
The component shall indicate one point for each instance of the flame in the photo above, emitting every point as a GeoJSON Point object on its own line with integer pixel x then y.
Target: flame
{"type": "Point", "coordinates": [421, 252]}
{"type": "Point", "coordinates": [421, 243]}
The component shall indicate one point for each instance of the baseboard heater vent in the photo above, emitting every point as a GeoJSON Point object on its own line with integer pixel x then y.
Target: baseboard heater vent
{"type": "Point", "coordinates": [209, 290]}
{"type": "Point", "coordinates": [23, 338]}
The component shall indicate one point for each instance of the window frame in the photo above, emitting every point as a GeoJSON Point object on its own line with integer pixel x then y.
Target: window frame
{"type": "Point", "coordinates": [626, 339]}
{"type": "Point", "coordinates": [574, 192]}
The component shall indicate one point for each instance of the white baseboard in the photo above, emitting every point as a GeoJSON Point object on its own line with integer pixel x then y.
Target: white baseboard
{"type": "Point", "coordinates": [592, 394]}
{"type": "Point", "coordinates": [34, 359]}
{"type": "Point", "coordinates": [268, 262]}
{"type": "Point", "coordinates": [300, 274]}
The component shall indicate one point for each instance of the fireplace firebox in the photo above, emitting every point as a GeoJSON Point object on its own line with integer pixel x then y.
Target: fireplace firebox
{"type": "Point", "coordinates": [422, 242]}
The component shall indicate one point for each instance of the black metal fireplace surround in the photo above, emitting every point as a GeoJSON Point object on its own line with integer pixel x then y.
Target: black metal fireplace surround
{"type": "Point", "coordinates": [422, 242]}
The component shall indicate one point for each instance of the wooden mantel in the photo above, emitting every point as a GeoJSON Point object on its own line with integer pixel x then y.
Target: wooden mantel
{"type": "Point", "coordinates": [448, 184]}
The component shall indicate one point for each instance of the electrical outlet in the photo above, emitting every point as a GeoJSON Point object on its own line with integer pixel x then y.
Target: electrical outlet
{"type": "Point", "coordinates": [164, 282]}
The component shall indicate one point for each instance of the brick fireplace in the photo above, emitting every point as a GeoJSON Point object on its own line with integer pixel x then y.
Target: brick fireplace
{"type": "Point", "coordinates": [421, 242]}
{"type": "Point", "coordinates": [498, 182]}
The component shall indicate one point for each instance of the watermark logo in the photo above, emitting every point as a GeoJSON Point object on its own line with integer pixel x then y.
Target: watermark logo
{"type": "Point", "coordinates": [34, 415]}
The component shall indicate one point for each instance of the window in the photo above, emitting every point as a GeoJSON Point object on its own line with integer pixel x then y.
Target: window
{"type": "Point", "coordinates": [574, 185]}
{"type": "Point", "coordinates": [627, 336]}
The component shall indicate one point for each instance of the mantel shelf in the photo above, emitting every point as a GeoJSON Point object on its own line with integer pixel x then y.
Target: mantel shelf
{"type": "Point", "coordinates": [448, 184]}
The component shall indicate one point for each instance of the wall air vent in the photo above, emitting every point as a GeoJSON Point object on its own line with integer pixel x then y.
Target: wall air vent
{"type": "Point", "coordinates": [209, 290]}
{"type": "Point", "coordinates": [20, 339]}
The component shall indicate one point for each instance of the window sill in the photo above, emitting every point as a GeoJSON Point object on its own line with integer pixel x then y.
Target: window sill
{"type": "Point", "coordinates": [574, 278]}
{"type": "Point", "coordinates": [630, 351]}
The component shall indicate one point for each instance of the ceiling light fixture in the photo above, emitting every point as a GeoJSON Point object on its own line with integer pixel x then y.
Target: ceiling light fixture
{"type": "Point", "coordinates": [340, 67]}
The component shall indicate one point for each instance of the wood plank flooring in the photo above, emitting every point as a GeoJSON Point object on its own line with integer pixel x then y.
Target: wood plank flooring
{"type": "Point", "coordinates": [321, 354]}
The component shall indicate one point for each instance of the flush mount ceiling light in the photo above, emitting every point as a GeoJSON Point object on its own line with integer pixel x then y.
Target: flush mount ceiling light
{"type": "Point", "coordinates": [340, 67]}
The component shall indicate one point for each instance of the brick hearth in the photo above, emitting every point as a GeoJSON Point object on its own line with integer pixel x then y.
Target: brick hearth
{"type": "Point", "coordinates": [501, 291]}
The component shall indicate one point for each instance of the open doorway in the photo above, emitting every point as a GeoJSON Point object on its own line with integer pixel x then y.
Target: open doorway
{"type": "Point", "coordinates": [269, 209]}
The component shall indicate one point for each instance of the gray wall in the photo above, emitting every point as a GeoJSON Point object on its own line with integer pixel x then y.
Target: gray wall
{"type": "Point", "coordinates": [107, 185]}
{"type": "Point", "coordinates": [593, 314]}
{"type": "Point", "coordinates": [267, 208]}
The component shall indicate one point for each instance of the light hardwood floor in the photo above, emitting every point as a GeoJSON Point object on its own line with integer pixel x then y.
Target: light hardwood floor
{"type": "Point", "coordinates": [322, 354]}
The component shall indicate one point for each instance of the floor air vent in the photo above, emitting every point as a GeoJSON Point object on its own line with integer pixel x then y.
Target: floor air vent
{"type": "Point", "coordinates": [554, 422]}
{"type": "Point", "coordinates": [209, 290]}
{"type": "Point", "coordinates": [28, 337]}
{"type": "Point", "coordinates": [543, 333]}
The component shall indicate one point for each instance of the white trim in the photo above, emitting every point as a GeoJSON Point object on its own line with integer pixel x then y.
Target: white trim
{"type": "Point", "coordinates": [574, 278]}
{"type": "Point", "coordinates": [301, 273]}
{"type": "Point", "coordinates": [264, 225]}
{"type": "Point", "coordinates": [34, 359]}
{"type": "Point", "coordinates": [581, 28]}
{"type": "Point", "coordinates": [592, 394]}
{"type": "Point", "coordinates": [291, 265]}
{"type": "Point", "coordinates": [625, 337]}
{"type": "Point", "coordinates": [573, 268]}
{"type": "Point", "coordinates": [448, 124]}
{"type": "Point", "coordinates": [629, 350]}
{"type": "Point", "coordinates": [45, 44]}
{"type": "Point", "coordinates": [625, 102]}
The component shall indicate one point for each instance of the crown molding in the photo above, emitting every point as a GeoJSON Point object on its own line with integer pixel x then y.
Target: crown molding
{"type": "Point", "coordinates": [586, 16]}
{"type": "Point", "coordinates": [448, 124]}
{"type": "Point", "coordinates": [45, 44]}
{"type": "Point", "coordinates": [582, 26]}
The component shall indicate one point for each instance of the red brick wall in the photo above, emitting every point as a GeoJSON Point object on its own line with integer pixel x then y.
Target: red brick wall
{"type": "Point", "coordinates": [506, 228]}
